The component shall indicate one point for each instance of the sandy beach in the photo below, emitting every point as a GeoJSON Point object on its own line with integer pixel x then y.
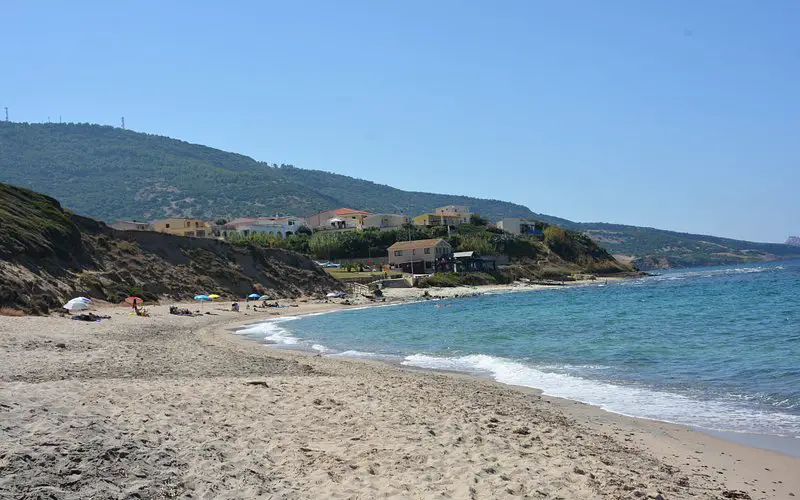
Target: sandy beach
{"type": "Point", "coordinates": [170, 406]}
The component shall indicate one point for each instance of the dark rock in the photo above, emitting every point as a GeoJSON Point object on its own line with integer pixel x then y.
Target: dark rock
{"type": "Point", "coordinates": [736, 495]}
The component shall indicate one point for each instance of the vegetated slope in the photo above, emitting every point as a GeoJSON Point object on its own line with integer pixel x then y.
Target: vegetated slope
{"type": "Point", "coordinates": [48, 255]}
{"type": "Point", "coordinates": [110, 173]}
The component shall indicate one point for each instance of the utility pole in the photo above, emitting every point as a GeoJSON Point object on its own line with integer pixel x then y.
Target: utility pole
{"type": "Point", "coordinates": [123, 123]}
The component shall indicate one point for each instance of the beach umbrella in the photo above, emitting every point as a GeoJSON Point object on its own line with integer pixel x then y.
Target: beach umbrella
{"type": "Point", "coordinates": [202, 298]}
{"type": "Point", "coordinates": [254, 296]}
{"type": "Point", "coordinates": [265, 297]}
{"type": "Point", "coordinates": [134, 301]}
{"type": "Point", "coordinates": [75, 306]}
{"type": "Point", "coordinates": [213, 296]}
{"type": "Point", "coordinates": [82, 300]}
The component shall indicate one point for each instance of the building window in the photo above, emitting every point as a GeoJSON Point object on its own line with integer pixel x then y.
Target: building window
{"type": "Point", "coordinates": [166, 226]}
{"type": "Point", "coordinates": [398, 253]}
{"type": "Point", "coordinates": [414, 252]}
{"type": "Point", "coordinates": [427, 250]}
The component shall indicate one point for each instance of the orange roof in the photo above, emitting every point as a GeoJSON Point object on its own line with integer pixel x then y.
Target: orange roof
{"type": "Point", "coordinates": [350, 211]}
{"type": "Point", "coordinates": [407, 245]}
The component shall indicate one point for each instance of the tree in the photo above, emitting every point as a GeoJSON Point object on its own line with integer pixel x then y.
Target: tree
{"type": "Point", "coordinates": [323, 245]}
{"type": "Point", "coordinates": [476, 244]}
{"type": "Point", "coordinates": [477, 220]}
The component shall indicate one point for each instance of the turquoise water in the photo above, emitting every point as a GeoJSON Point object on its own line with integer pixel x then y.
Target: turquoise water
{"type": "Point", "coordinates": [716, 348]}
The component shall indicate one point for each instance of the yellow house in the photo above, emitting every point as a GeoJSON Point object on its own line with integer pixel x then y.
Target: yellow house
{"type": "Point", "coordinates": [437, 220]}
{"type": "Point", "coordinates": [181, 227]}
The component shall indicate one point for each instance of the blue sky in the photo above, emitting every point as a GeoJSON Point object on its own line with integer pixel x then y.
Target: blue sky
{"type": "Point", "coordinates": [680, 115]}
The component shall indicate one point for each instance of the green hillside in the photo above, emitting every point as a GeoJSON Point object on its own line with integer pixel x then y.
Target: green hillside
{"type": "Point", "coordinates": [109, 173]}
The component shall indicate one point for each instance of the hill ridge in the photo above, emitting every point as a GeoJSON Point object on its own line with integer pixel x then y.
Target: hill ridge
{"type": "Point", "coordinates": [154, 176]}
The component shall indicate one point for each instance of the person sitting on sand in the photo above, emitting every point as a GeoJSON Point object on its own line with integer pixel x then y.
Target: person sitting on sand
{"type": "Point", "coordinates": [235, 307]}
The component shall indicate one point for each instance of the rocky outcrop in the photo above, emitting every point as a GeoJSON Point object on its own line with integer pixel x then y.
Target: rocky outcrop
{"type": "Point", "coordinates": [793, 241]}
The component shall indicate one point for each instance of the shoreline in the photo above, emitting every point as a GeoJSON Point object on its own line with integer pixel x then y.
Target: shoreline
{"type": "Point", "coordinates": [707, 449]}
{"type": "Point", "coordinates": [183, 405]}
{"type": "Point", "coordinates": [784, 445]}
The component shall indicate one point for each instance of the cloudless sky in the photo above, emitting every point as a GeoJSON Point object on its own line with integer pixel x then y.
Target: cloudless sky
{"type": "Point", "coordinates": [679, 114]}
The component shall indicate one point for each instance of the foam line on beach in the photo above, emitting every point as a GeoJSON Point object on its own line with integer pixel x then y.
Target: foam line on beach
{"type": "Point", "coordinates": [625, 400]}
{"type": "Point", "coordinates": [271, 331]}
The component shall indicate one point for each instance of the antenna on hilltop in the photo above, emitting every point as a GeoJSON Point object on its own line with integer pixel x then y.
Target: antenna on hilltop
{"type": "Point", "coordinates": [6, 113]}
{"type": "Point", "coordinates": [123, 123]}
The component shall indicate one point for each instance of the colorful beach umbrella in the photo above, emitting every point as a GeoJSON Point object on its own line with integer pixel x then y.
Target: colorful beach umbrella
{"type": "Point", "coordinates": [134, 301]}
{"type": "Point", "coordinates": [254, 296]}
{"type": "Point", "coordinates": [202, 298]}
{"type": "Point", "coordinates": [213, 296]}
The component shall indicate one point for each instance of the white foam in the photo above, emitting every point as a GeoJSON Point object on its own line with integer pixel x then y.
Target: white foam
{"type": "Point", "coordinates": [707, 273]}
{"type": "Point", "coordinates": [626, 400]}
{"type": "Point", "coordinates": [271, 331]}
{"type": "Point", "coordinates": [357, 354]}
{"type": "Point", "coordinates": [320, 348]}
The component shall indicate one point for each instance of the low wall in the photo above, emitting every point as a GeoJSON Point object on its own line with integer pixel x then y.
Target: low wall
{"type": "Point", "coordinates": [373, 261]}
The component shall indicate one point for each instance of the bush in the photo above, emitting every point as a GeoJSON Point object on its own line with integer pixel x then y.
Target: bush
{"type": "Point", "coordinates": [476, 244]}
{"type": "Point", "coordinates": [267, 240]}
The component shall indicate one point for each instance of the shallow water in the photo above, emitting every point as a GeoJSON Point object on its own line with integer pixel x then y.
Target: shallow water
{"type": "Point", "coordinates": [715, 348]}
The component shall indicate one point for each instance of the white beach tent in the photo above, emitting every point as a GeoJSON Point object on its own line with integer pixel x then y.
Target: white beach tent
{"type": "Point", "coordinates": [76, 305]}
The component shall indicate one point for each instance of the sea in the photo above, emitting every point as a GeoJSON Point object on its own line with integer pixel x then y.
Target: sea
{"type": "Point", "coordinates": [714, 348]}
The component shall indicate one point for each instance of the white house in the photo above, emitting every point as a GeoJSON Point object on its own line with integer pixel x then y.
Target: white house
{"type": "Point", "coordinates": [283, 226]}
{"type": "Point", "coordinates": [516, 225]}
